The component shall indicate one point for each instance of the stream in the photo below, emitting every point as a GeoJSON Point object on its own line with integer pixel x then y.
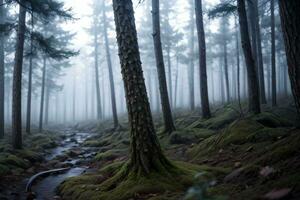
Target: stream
{"type": "Point", "coordinates": [44, 188]}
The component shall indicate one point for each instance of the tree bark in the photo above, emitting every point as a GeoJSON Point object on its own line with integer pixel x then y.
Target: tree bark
{"type": "Point", "coordinates": [224, 23]}
{"type": "Point", "coordinates": [202, 63]}
{"type": "Point", "coordinates": [253, 86]}
{"type": "Point", "coordinates": [165, 103]}
{"type": "Point", "coordinates": [29, 92]}
{"type": "Point", "coordinates": [256, 43]}
{"type": "Point", "coordinates": [2, 77]}
{"type": "Point", "coordinates": [273, 55]}
{"type": "Point", "coordinates": [17, 80]}
{"type": "Point", "coordinates": [191, 59]}
{"type": "Point", "coordinates": [96, 54]}
{"type": "Point", "coordinates": [47, 99]}
{"type": "Point", "coordinates": [43, 94]}
{"type": "Point", "coordinates": [290, 20]}
{"type": "Point", "coordinates": [238, 67]}
{"type": "Point", "coordinates": [260, 62]}
{"type": "Point", "coordinates": [146, 153]}
{"type": "Point", "coordinates": [110, 71]}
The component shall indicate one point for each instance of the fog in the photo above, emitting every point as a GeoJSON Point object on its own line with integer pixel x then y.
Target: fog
{"type": "Point", "coordinates": [74, 97]}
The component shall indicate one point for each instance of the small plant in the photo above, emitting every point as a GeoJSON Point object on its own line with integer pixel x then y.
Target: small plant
{"type": "Point", "coordinates": [203, 181]}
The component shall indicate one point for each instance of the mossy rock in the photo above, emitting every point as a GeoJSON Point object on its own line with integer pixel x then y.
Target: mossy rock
{"type": "Point", "coordinates": [15, 161]}
{"type": "Point", "coordinates": [109, 155]}
{"type": "Point", "coordinates": [96, 143]}
{"type": "Point", "coordinates": [271, 120]}
{"type": "Point", "coordinates": [239, 132]}
{"type": "Point", "coordinates": [30, 155]}
{"type": "Point", "coordinates": [42, 141]}
{"type": "Point", "coordinates": [219, 120]}
{"type": "Point", "coordinates": [189, 136]}
{"type": "Point", "coordinates": [281, 150]}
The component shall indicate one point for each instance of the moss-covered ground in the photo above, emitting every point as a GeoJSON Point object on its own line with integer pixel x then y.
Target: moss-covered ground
{"type": "Point", "coordinates": [16, 162]}
{"type": "Point", "coordinates": [243, 156]}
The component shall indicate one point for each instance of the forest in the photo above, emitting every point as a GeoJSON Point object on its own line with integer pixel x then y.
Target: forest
{"type": "Point", "coordinates": [150, 100]}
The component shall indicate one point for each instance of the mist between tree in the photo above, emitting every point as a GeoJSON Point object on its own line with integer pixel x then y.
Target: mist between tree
{"type": "Point", "coordinates": [72, 85]}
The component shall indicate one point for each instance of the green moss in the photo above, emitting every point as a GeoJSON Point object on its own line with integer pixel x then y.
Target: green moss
{"type": "Point", "coordinates": [95, 143]}
{"type": "Point", "coordinates": [109, 155]}
{"type": "Point", "coordinates": [271, 120]}
{"type": "Point", "coordinates": [30, 155]}
{"type": "Point", "coordinates": [14, 161]}
{"type": "Point", "coordinates": [281, 150]}
{"type": "Point", "coordinates": [4, 170]}
{"type": "Point", "coordinates": [42, 141]}
{"type": "Point", "coordinates": [120, 187]}
{"type": "Point", "coordinates": [188, 136]}
{"type": "Point", "coordinates": [219, 120]}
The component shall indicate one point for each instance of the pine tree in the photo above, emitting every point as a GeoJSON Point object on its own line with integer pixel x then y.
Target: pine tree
{"type": "Point", "coordinates": [165, 101]}
{"type": "Point", "coordinates": [202, 63]}
{"type": "Point", "coordinates": [254, 102]}
{"type": "Point", "coordinates": [146, 153]}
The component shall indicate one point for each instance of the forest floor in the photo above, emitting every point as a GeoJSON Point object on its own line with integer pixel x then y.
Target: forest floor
{"type": "Point", "coordinates": [230, 156]}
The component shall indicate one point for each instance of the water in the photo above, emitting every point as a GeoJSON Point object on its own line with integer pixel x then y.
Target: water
{"type": "Point", "coordinates": [45, 189]}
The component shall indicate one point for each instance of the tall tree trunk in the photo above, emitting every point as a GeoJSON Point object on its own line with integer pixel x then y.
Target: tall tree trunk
{"type": "Point", "coordinates": [253, 86]}
{"type": "Point", "coordinates": [2, 77]}
{"type": "Point", "coordinates": [290, 20]}
{"type": "Point", "coordinates": [170, 76]}
{"type": "Point", "coordinates": [260, 63]}
{"type": "Point", "coordinates": [17, 80]}
{"type": "Point", "coordinates": [222, 89]}
{"type": "Point", "coordinates": [65, 108]}
{"type": "Point", "coordinates": [146, 153]}
{"type": "Point", "coordinates": [47, 99]}
{"type": "Point", "coordinates": [168, 118]}
{"type": "Point", "coordinates": [273, 55]}
{"type": "Point", "coordinates": [43, 94]}
{"type": "Point", "coordinates": [28, 117]}
{"type": "Point", "coordinates": [74, 99]}
{"type": "Point", "coordinates": [110, 71]}
{"type": "Point", "coordinates": [191, 59]}
{"type": "Point", "coordinates": [238, 67]}
{"type": "Point", "coordinates": [176, 82]}
{"type": "Point", "coordinates": [256, 46]}
{"type": "Point", "coordinates": [96, 49]}
{"type": "Point", "coordinates": [226, 70]}
{"type": "Point", "coordinates": [202, 63]}
{"type": "Point", "coordinates": [212, 86]}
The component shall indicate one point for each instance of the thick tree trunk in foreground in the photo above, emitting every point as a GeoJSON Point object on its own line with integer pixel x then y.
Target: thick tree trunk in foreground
{"type": "Point", "coordinates": [146, 154]}
{"type": "Point", "coordinates": [110, 71]}
{"type": "Point", "coordinates": [202, 63]}
{"type": "Point", "coordinates": [253, 86]}
{"type": "Point", "coordinates": [42, 95]}
{"type": "Point", "coordinates": [167, 113]}
{"type": "Point", "coordinates": [2, 86]}
{"type": "Point", "coordinates": [17, 80]}
{"type": "Point", "coordinates": [290, 20]}
{"type": "Point", "coordinates": [273, 55]}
